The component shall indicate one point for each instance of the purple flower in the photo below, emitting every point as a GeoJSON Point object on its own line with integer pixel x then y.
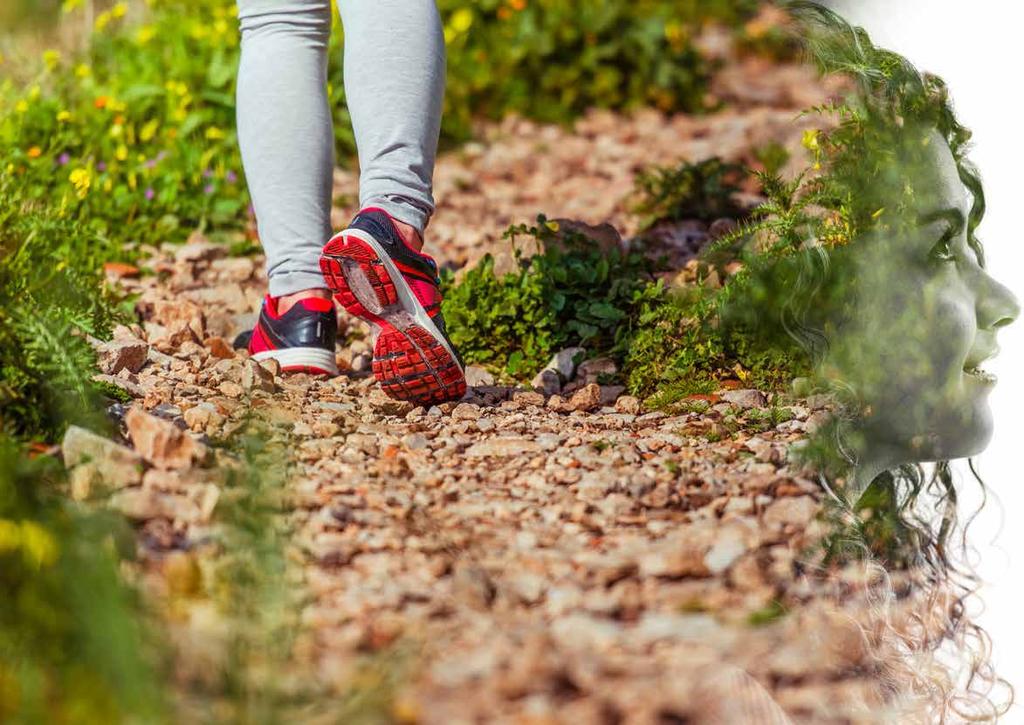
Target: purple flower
{"type": "Point", "coordinates": [64, 158]}
{"type": "Point", "coordinates": [231, 177]}
{"type": "Point", "coordinates": [150, 194]}
{"type": "Point", "coordinates": [161, 156]}
{"type": "Point", "coordinates": [101, 166]}
{"type": "Point", "coordinates": [150, 163]}
{"type": "Point", "coordinates": [208, 189]}
{"type": "Point", "coordinates": [208, 173]}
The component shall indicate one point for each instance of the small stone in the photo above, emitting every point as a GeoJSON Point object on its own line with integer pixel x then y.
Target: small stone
{"type": "Point", "coordinates": [611, 393]}
{"type": "Point", "coordinates": [564, 362]}
{"type": "Point", "coordinates": [117, 355]}
{"type": "Point", "coordinates": [502, 447]}
{"type": "Point", "coordinates": [219, 348]}
{"type": "Point", "coordinates": [557, 403]}
{"type": "Point", "coordinates": [466, 411]}
{"type": "Point", "coordinates": [199, 249]}
{"type": "Point", "coordinates": [203, 417]}
{"type": "Point", "coordinates": [586, 398]}
{"type": "Point", "coordinates": [231, 389]}
{"type": "Point", "coordinates": [726, 549]}
{"type": "Point", "coordinates": [472, 585]}
{"type": "Point", "coordinates": [361, 362]}
{"type": "Point", "coordinates": [589, 371]}
{"type": "Point", "coordinates": [477, 376]}
{"type": "Point", "coordinates": [95, 460]}
{"type": "Point", "coordinates": [384, 404]}
{"type": "Point", "coordinates": [792, 510]}
{"type": "Point", "coordinates": [256, 377]}
{"type": "Point", "coordinates": [627, 404]}
{"type": "Point", "coordinates": [745, 398]}
{"type": "Point", "coordinates": [161, 442]}
{"type": "Point", "coordinates": [415, 441]}
{"type": "Point", "coordinates": [547, 382]}
{"type": "Point", "coordinates": [528, 397]}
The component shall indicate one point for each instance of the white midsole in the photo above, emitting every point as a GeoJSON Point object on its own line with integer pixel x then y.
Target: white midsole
{"type": "Point", "coordinates": [314, 357]}
{"type": "Point", "coordinates": [405, 295]}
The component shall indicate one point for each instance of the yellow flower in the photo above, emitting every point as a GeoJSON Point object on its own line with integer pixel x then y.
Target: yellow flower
{"type": "Point", "coordinates": [119, 10]}
{"type": "Point", "coordinates": [102, 20]}
{"type": "Point", "coordinates": [810, 139]}
{"type": "Point", "coordinates": [145, 34]}
{"type": "Point", "coordinates": [21, 106]}
{"type": "Point", "coordinates": [38, 544]}
{"type": "Point", "coordinates": [461, 20]}
{"type": "Point", "coordinates": [71, 5]}
{"type": "Point", "coordinates": [51, 59]}
{"type": "Point", "coordinates": [147, 132]}
{"type": "Point", "coordinates": [63, 116]}
{"type": "Point", "coordinates": [35, 152]}
{"type": "Point", "coordinates": [81, 179]}
{"type": "Point", "coordinates": [122, 153]}
{"type": "Point", "coordinates": [82, 70]}
{"type": "Point", "coordinates": [214, 134]}
{"type": "Point", "coordinates": [116, 131]}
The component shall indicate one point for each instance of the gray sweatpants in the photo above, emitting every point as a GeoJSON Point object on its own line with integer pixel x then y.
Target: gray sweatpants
{"type": "Point", "coordinates": [394, 65]}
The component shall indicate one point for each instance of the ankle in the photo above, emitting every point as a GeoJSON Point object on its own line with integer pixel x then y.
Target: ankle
{"type": "Point", "coordinates": [286, 302]}
{"type": "Point", "coordinates": [410, 235]}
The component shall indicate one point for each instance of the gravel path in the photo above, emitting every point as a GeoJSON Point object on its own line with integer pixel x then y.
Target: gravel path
{"type": "Point", "coordinates": [519, 558]}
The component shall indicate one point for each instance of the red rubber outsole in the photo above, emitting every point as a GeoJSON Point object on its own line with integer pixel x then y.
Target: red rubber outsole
{"type": "Point", "coordinates": [408, 361]}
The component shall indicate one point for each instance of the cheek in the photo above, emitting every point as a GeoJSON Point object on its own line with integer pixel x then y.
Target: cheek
{"type": "Point", "coordinates": [948, 322]}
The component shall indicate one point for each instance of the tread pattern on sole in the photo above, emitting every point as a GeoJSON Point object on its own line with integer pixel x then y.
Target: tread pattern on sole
{"type": "Point", "coordinates": [408, 361]}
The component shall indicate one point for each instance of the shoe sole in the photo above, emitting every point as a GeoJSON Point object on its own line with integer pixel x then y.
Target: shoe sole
{"type": "Point", "coordinates": [412, 361]}
{"type": "Point", "coordinates": [309, 360]}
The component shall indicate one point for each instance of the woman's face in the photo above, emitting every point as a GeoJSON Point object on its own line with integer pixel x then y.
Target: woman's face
{"type": "Point", "coordinates": [924, 323]}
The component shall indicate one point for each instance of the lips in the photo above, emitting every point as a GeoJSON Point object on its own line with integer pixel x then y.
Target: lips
{"type": "Point", "coordinates": [979, 354]}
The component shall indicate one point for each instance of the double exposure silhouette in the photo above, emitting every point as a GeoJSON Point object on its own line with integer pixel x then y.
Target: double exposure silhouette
{"type": "Point", "coordinates": [870, 263]}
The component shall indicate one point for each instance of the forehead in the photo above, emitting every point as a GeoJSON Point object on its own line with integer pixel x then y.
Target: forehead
{"type": "Point", "coordinates": [937, 181]}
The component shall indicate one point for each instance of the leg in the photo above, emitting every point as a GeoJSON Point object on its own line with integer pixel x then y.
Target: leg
{"type": "Point", "coordinates": [394, 84]}
{"type": "Point", "coordinates": [286, 137]}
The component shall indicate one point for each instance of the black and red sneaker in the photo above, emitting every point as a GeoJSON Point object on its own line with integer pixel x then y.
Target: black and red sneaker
{"type": "Point", "coordinates": [301, 340]}
{"type": "Point", "coordinates": [378, 278]}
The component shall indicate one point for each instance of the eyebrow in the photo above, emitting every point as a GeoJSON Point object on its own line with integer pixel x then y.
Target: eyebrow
{"type": "Point", "coordinates": [955, 217]}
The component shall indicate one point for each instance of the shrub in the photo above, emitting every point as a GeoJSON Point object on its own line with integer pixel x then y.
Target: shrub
{"type": "Point", "coordinates": [51, 294]}
{"type": "Point", "coordinates": [571, 293]}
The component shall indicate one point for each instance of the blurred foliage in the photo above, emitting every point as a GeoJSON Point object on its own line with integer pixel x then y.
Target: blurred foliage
{"type": "Point", "coordinates": [553, 59]}
{"type": "Point", "coordinates": [135, 135]}
{"type": "Point", "coordinates": [72, 647]}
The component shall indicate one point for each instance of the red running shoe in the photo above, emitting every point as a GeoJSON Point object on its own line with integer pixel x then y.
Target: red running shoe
{"type": "Point", "coordinates": [301, 340]}
{"type": "Point", "coordinates": [377, 277]}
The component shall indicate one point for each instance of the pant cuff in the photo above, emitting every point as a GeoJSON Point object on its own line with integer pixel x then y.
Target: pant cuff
{"type": "Point", "coordinates": [288, 283]}
{"type": "Point", "coordinates": [402, 210]}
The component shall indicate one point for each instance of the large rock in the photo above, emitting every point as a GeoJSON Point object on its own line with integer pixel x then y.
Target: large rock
{"type": "Point", "coordinates": [95, 461]}
{"type": "Point", "coordinates": [745, 398]}
{"type": "Point", "coordinates": [160, 442]}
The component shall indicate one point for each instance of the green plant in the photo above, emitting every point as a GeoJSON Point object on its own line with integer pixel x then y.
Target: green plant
{"type": "Point", "coordinates": [705, 190]}
{"type": "Point", "coordinates": [51, 295]}
{"type": "Point", "coordinates": [571, 293]}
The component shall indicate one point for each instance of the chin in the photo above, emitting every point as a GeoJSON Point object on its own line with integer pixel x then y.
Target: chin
{"type": "Point", "coordinates": [969, 434]}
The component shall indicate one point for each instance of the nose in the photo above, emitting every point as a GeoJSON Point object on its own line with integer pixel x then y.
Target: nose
{"type": "Point", "coordinates": [996, 304]}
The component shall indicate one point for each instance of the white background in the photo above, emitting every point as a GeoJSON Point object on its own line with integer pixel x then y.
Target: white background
{"type": "Point", "coordinates": [978, 48]}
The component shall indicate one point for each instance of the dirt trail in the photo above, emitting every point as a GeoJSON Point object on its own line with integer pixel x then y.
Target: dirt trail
{"type": "Point", "coordinates": [567, 559]}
